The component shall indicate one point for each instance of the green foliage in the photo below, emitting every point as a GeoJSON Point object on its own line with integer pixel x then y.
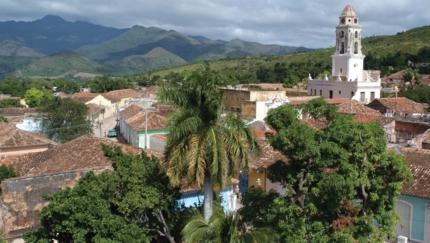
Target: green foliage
{"type": "Point", "coordinates": [134, 203]}
{"type": "Point", "coordinates": [7, 172]}
{"type": "Point", "coordinates": [421, 94]}
{"type": "Point", "coordinates": [408, 76]}
{"type": "Point", "coordinates": [3, 119]}
{"type": "Point", "coordinates": [66, 86]}
{"type": "Point", "coordinates": [224, 228]}
{"type": "Point", "coordinates": [64, 120]}
{"type": "Point", "coordinates": [203, 146]}
{"type": "Point", "coordinates": [339, 180]}
{"type": "Point", "coordinates": [36, 98]}
{"type": "Point", "coordinates": [10, 103]}
{"type": "Point", "coordinates": [102, 84]}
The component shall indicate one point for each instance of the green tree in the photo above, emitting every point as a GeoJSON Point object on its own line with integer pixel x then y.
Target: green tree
{"type": "Point", "coordinates": [3, 119]}
{"type": "Point", "coordinates": [66, 86]}
{"type": "Point", "coordinates": [64, 120]}
{"type": "Point", "coordinates": [133, 203]}
{"type": "Point", "coordinates": [204, 146]}
{"type": "Point", "coordinates": [35, 98]}
{"type": "Point", "coordinates": [341, 183]}
{"type": "Point", "coordinates": [224, 228]}
{"type": "Point", "coordinates": [7, 172]}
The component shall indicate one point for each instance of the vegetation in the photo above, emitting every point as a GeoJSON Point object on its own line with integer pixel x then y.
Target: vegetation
{"type": "Point", "coordinates": [421, 94]}
{"type": "Point", "coordinates": [10, 103]}
{"type": "Point", "coordinates": [66, 86]}
{"type": "Point", "coordinates": [36, 98]}
{"type": "Point", "coordinates": [7, 172]}
{"type": "Point", "coordinates": [224, 228]}
{"type": "Point", "coordinates": [64, 120]}
{"type": "Point", "coordinates": [134, 203]}
{"type": "Point", "coordinates": [101, 84]}
{"type": "Point", "coordinates": [202, 145]}
{"type": "Point", "coordinates": [341, 183]}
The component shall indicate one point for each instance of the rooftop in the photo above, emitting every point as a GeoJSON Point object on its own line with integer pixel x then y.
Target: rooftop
{"type": "Point", "coordinates": [130, 111]}
{"type": "Point", "coordinates": [84, 152]}
{"type": "Point", "coordinates": [116, 95]}
{"type": "Point", "coordinates": [398, 105]}
{"type": "Point", "coordinates": [349, 11]}
{"type": "Point", "coordinates": [10, 137]}
{"type": "Point", "coordinates": [354, 107]}
{"type": "Point", "coordinates": [138, 121]}
{"type": "Point", "coordinates": [83, 97]}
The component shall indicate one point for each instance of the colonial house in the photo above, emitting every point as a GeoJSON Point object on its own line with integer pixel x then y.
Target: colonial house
{"type": "Point", "coordinates": [143, 125]}
{"type": "Point", "coordinates": [14, 141]}
{"type": "Point", "coordinates": [399, 107]}
{"type": "Point", "coordinates": [348, 79]}
{"type": "Point", "coordinates": [120, 98]}
{"type": "Point", "coordinates": [413, 204]}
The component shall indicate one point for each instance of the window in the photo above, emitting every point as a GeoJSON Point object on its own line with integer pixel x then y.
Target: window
{"type": "Point", "coordinates": [355, 21]}
{"type": "Point", "coordinates": [356, 34]}
{"type": "Point", "coordinates": [340, 92]}
{"type": "Point", "coordinates": [342, 34]}
{"type": "Point", "coordinates": [320, 92]}
{"type": "Point", "coordinates": [342, 20]}
{"type": "Point", "coordinates": [331, 94]}
{"type": "Point", "coordinates": [352, 94]}
{"type": "Point", "coordinates": [341, 70]}
{"type": "Point", "coordinates": [342, 48]}
{"type": "Point", "coordinates": [356, 48]}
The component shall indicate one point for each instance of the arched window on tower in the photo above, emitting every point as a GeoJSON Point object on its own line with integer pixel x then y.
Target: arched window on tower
{"type": "Point", "coordinates": [356, 34]}
{"type": "Point", "coordinates": [342, 47]}
{"type": "Point", "coordinates": [342, 34]}
{"type": "Point", "coordinates": [356, 48]}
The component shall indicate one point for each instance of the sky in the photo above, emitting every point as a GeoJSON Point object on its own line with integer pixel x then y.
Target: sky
{"type": "Point", "coordinates": [307, 23]}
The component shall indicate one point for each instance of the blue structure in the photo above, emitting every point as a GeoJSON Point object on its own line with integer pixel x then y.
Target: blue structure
{"type": "Point", "coordinates": [415, 221]}
{"type": "Point", "coordinates": [190, 199]}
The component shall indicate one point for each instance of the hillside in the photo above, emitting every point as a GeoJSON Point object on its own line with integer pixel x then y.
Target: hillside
{"type": "Point", "coordinates": [381, 52]}
{"type": "Point", "coordinates": [53, 34]}
{"type": "Point", "coordinates": [62, 63]}
{"type": "Point", "coordinates": [156, 58]}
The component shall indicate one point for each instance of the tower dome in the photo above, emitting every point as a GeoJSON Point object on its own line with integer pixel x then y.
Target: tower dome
{"type": "Point", "coordinates": [349, 11]}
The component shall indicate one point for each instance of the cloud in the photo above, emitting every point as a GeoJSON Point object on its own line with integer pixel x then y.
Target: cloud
{"type": "Point", "coordinates": [298, 23]}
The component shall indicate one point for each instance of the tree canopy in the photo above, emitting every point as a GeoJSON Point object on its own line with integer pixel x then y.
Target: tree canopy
{"type": "Point", "coordinates": [340, 181]}
{"type": "Point", "coordinates": [133, 203]}
{"type": "Point", "coordinates": [64, 120]}
{"type": "Point", "coordinates": [204, 146]}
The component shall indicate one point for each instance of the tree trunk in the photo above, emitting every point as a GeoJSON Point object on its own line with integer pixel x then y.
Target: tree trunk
{"type": "Point", "coordinates": [208, 198]}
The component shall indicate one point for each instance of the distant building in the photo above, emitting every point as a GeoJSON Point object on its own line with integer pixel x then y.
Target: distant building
{"type": "Point", "coordinates": [348, 79]}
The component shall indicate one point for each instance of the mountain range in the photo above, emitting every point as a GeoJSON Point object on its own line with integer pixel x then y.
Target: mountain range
{"type": "Point", "coordinates": [52, 46]}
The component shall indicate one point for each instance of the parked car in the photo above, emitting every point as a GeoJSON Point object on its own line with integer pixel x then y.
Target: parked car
{"type": "Point", "coordinates": [111, 133]}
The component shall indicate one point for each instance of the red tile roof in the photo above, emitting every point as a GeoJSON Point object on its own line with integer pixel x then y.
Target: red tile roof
{"type": "Point", "coordinates": [83, 97]}
{"type": "Point", "coordinates": [336, 101]}
{"type": "Point", "coordinates": [354, 107]}
{"type": "Point", "coordinates": [130, 111]}
{"type": "Point", "coordinates": [117, 95]}
{"type": "Point", "coordinates": [16, 111]}
{"type": "Point", "coordinates": [398, 105]}
{"type": "Point", "coordinates": [138, 121]}
{"type": "Point", "coordinates": [11, 137]}
{"type": "Point", "coordinates": [81, 153]}
{"type": "Point", "coordinates": [419, 165]}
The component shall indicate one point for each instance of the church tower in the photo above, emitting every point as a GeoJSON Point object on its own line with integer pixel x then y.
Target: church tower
{"type": "Point", "coordinates": [347, 61]}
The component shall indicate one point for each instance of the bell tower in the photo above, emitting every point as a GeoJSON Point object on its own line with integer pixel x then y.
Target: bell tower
{"type": "Point", "coordinates": [347, 60]}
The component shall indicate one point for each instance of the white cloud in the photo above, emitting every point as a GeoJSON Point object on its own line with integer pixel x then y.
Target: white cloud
{"type": "Point", "coordinates": [308, 23]}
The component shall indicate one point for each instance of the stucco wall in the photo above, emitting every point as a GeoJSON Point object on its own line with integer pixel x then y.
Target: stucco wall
{"type": "Point", "coordinates": [417, 229]}
{"type": "Point", "coordinates": [22, 199]}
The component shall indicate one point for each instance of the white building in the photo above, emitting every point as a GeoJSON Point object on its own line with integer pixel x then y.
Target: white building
{"type": "Point", "coordinates": [348, 79]}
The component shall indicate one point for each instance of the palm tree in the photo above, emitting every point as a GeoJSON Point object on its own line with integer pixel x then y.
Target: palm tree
{"type": "Point", "coordinates": [224, 228]}
{"type": "Point", "coordinates": [203, 145]}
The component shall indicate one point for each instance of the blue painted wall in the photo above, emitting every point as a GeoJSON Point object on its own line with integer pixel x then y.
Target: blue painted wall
{"type": "Point", "coordinates": [191, 198]}
{"type": "Point", "coordinates": [418, 215]}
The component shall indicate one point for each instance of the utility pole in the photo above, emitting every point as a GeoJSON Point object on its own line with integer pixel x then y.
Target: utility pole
{"type": "Point", "coordinates": [100, 128]}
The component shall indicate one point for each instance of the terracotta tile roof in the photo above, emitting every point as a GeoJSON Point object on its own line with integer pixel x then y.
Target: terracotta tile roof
{"type": "Point", "coordinates": [138, 121]}
{"type": "Point", "coordinates": [16, 111]}
{"type": "Point", "coordinates": [15, 119]}
{"type": "Point", "coordinates": [130, 111]}
{"type": "Point", "coordinates": [94, 108]}
{"type": "Point", "coordinates": [81, 153]}
{"type": "Point", "coordinates": [10, 137]}
{"type": "Point", "coordinates": [83, 97]}
{"type": "Point", "coordinates": [336, 101]}
{"type": "Point", "coordinates": [398, 105]}
{"type": "Point", "coordinates": [268, 157]}
{"type": "Point", "coordinates": [354, 107]}
{"type": "Point", "coordinates": [117, 95]}
{"type": "Point", "coordinates": [419, 165]}
{"type": "Point", "coordinates": [379, 119]}
{"type": "Point", "coordinates": [317, 124]}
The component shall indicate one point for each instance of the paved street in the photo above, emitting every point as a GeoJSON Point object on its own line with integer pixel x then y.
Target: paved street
{"type": "Point", "coordinates": [107, 124]}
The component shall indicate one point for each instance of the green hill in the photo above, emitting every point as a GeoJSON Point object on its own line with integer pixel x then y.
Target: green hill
{"type": "Point", "coordinates": [156, 58]}
{"type": "Point", "coordinates": [61, 63]}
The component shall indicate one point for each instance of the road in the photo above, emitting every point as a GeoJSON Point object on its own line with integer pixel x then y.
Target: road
{"type": "Point", "coordinates": [107, 124]}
